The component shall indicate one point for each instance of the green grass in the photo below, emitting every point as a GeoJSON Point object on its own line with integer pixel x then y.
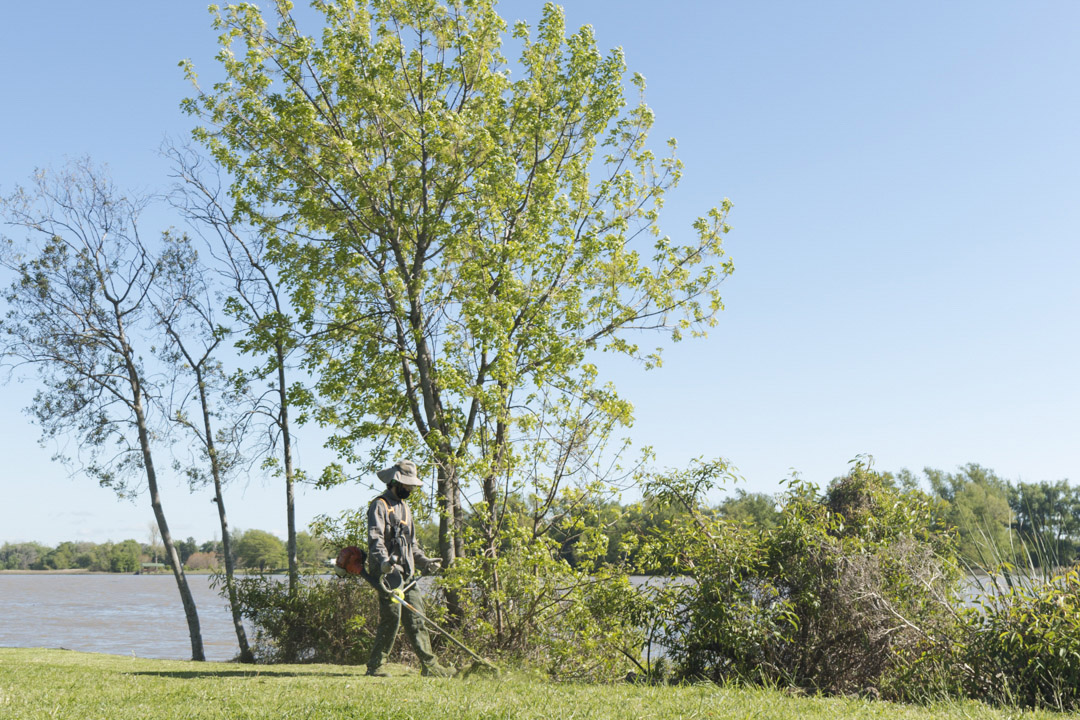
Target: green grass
{"type": "Point", "coordinates": [63, 684]}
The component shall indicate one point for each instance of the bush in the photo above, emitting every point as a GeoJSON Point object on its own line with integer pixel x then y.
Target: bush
{"type": "Point", "coordinates": [525, 604]}
{"type": "Point", "coordinates": [1023, 645]}
{"type": "Point", "coordinates": [850, 593]}
{"type": "Point", "coordinates": [324, 621]}
{"type": "Point", "coordinates": [529, 606]}
{"type": "Point", "coordinates": [202, 561]}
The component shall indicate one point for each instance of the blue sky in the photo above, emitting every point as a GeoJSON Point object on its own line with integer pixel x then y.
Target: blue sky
{"type": "Point", "coordinates": [905, 180]}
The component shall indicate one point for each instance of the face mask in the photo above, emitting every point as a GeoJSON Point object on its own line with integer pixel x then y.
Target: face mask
{"type": "Point", "coordinates": [402, 491]}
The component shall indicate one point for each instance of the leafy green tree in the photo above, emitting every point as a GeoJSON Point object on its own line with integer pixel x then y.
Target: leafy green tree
{"type": "Point", "coordinates": [187, 548]}
{"type": "Point", "coordinates": [309, 550]}
{"type": "Point", "coordinates": [21, 556]}
{"type": "Point", "coordinates": [62, 557]}
{"type": "Point", "coordinates": [1047, 518]}
{"type": "Point", "coordinates": [212, 546]}
{"type": "Point", "coordinates": [978, 507]}
{"type": "Point", "coordinates": [638, 525]}
{"type": "Point", "coordinates": [124, 557]}
{"type": "Point", "coordinates": [754, 510]}
{"type": "Point", "coordinates": [579, 528]}
{"type": "Point", "coordinates": [457, 243]}
{"type": "Point", "coordinates": [76, 312]}
{"type": "Point", "coordinates": [92, 556]}
{"type": "Point", "coordinates": [260, 550]}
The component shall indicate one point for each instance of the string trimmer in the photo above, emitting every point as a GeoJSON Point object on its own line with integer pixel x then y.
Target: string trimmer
{"type": "Point", "coordinates": [353, 561]}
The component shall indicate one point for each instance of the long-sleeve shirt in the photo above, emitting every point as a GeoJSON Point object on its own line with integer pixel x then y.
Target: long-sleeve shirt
{"type": "Point", "coordinates": [386, 513]}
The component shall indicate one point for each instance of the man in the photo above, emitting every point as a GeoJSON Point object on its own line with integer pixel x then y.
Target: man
{"type": "Point", "coordinates": [394, 556]}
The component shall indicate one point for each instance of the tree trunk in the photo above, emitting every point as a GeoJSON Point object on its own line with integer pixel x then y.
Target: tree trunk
{"type": "Point", "coordinates": [459, 520]}
{"type": "Point", "coordinates": [491, 486]}
{"type": "Point", "coordinates": [491, 500]}
{"type": "Point", "coordinates": [447, 547]}
{"type": "Point", "coordinates": [226, 540]}
{"type": "Point", "coordinates": [290, 498]}
{"type": "Point", "coordinates": [190, 611]}
{"type": "Point", "coordinates": [449, 538]}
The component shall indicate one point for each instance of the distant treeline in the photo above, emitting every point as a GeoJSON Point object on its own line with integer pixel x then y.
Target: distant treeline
{"type": "Point", "coordinates": [254, 549]}
{"type": "Point", "coordinates": [994, 520]}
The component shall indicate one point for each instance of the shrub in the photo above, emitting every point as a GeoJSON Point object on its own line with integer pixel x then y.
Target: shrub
{"type": "Point", "coordinates": [525, 604]}
{"type": "Point", "coordinates": [851, 592]}
{"type": "Point", "coordinates": [325, 621]}
{"type": "Point", "coordinates": [1023, 644]}
{"type": "Point", "coordinates": [529, 606]}
{"type": "Point", "coordinates": [202, 561]}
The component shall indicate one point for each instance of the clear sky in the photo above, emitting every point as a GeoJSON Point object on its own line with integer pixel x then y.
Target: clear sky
{"type": "Point", "coordinates": [905, 180]}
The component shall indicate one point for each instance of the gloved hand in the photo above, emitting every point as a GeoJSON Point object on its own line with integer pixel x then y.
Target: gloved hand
{"type": "Point", "coordinates": [389, 567]}
{"type": "Point", "coordinates": [433, 566]}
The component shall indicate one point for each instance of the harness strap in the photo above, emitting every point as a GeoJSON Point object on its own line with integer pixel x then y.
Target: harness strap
{"type": "Point", "coordinates": [403, 517]}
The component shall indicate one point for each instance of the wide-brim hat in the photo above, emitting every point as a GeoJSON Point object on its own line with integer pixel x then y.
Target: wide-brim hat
{"type": "Point", "coordinates": [403, 471]}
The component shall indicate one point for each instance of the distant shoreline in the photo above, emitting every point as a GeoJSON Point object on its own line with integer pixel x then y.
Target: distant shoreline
{"type": "Point", "coordinates": [83, 571]}
{"type": "Point", "coordinates": [166, 571]}
{"type": "Point", "coordinates": [70, 571]}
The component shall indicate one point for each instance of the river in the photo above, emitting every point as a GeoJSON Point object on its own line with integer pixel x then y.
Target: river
{"type": "Point", "coordinates": [138, 615]}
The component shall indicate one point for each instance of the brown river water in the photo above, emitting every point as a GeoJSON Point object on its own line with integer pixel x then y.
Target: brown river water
{"type": "Point", "coordinates": [137, 615]}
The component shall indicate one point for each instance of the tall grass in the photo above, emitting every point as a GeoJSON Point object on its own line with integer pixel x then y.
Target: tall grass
{"type": "Point", "coordinates": [1019, 642]}
{"type": "Point", "coordinates": [1026, 564]}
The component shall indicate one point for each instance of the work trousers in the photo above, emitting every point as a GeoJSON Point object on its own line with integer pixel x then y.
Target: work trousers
{"type": "Point", "coordinates": [390, 618]}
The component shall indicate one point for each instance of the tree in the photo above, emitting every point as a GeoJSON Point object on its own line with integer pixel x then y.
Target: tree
{"type": "Point", "coordinates": [187, 548]}
{"type": "Point", "coordinates": [213, 547]}
{"type": "Point", "coordinates": [61, 558]}
{"type": "Point", "coordinates": [124, 557]}
{"type": "Point", "coordinates": [203, 561]}
{"type": "Point", "coordinates": [21, 556]}
{"type": "Point", "coordinates": [978, 507]}
{"type": "Point", "coordinates": [185, 311]}
{"type": "Point", "coordinates": [458, 245]}
{"type": "Point", "coordinates": [75, 313]}
{"type": "Point", "coordinates": [755, 510]}
{"type": "Point", "coordinates": [92, 556]}
{"type": "Point", "coordinates": [260, 307]}
{"type": "Point", "coordinates": [1047, 518]}
{"type": "Point", "coordinates": [309, 550]}
{"type": "Point", "coordinates": [259, 549]}
{"type": "Point", "coordinates": [638, 525]}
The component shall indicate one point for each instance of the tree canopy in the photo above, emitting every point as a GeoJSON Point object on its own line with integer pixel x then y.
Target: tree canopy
{"type": "Point", "coordinates": [75, 313]}
{"type": "Point", "coordinates": [259, 549]}
{"type": "Point", "coordinates": [458, 235]}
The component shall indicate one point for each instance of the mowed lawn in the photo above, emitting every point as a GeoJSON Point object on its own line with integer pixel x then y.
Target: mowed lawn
{"type": "Point", "coordinates": [63, 684]}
